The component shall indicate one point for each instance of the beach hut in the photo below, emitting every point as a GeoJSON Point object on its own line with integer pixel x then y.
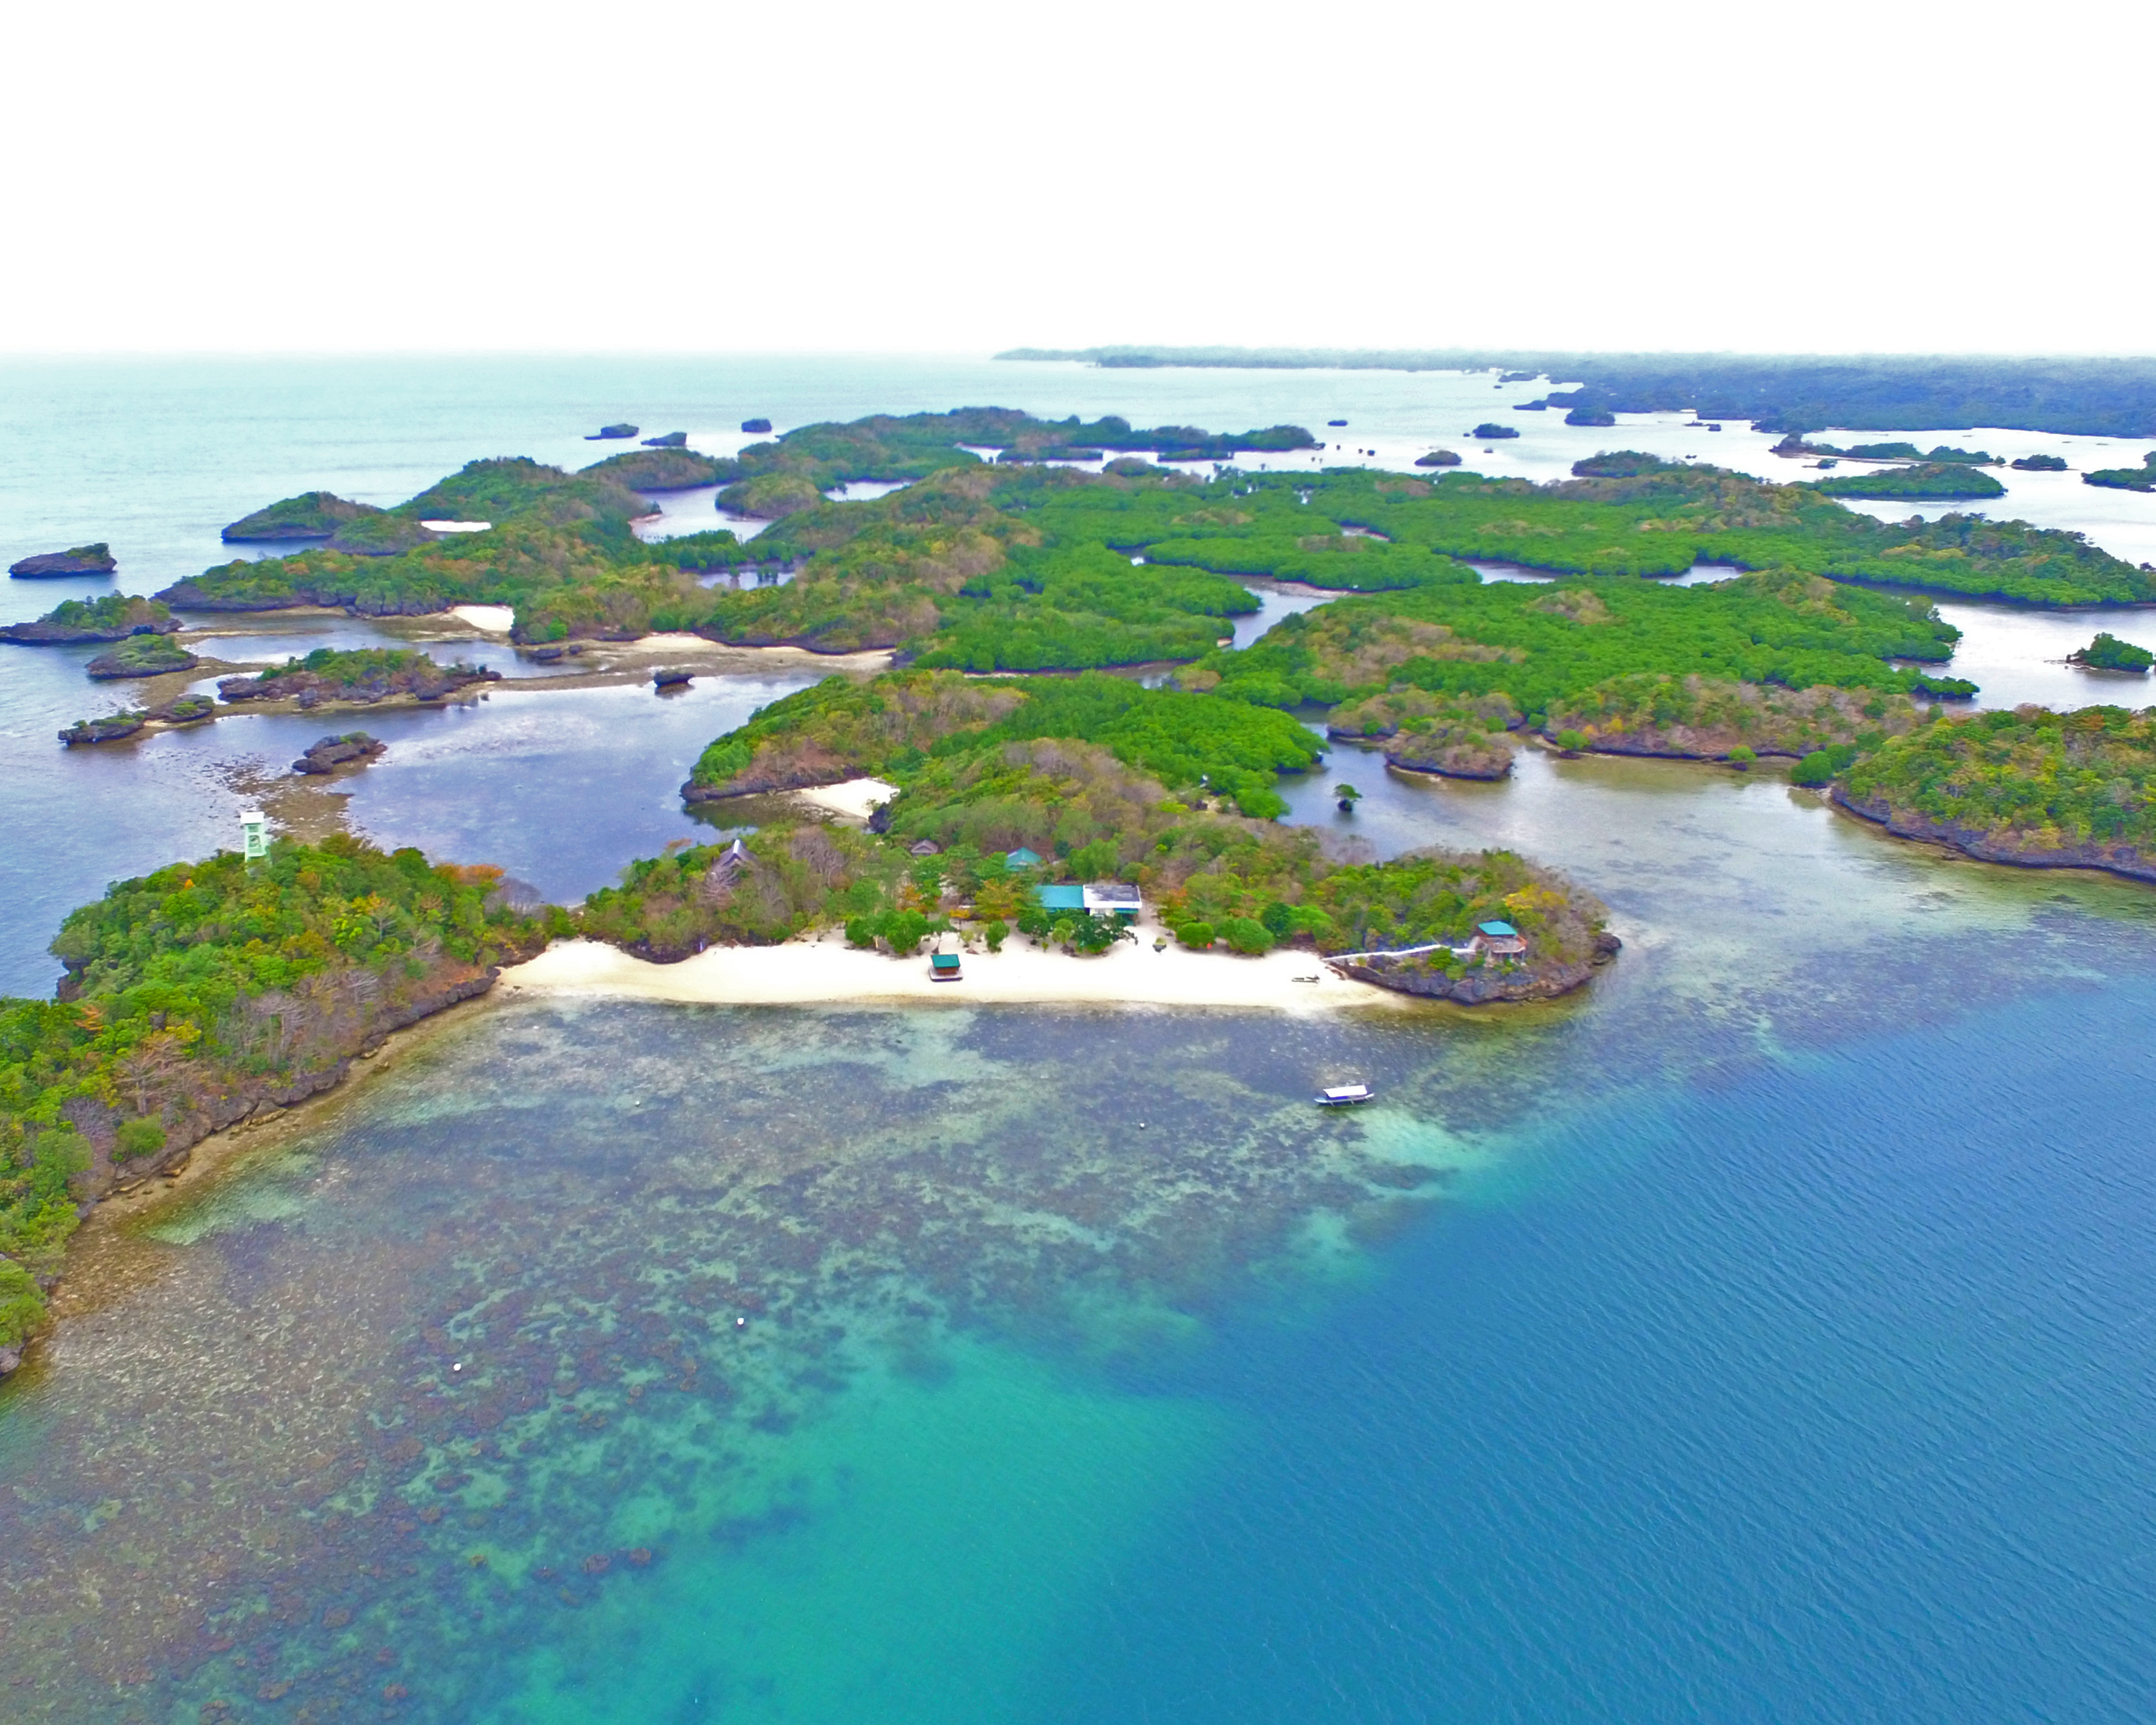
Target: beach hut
{"type": "Point", "coordinates": [1112, 898]}
{"type": "Point", "coordinates": [1059, 898]}
{"type": "Point", "coordinates": [943, 959]}
{"type": "Point", "coordinates": [1498, 939]}
{"type": "Point", "coordinates": [1021, 858]}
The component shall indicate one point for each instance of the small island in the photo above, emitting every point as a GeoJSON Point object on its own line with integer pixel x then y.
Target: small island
{"type": "Point", "coordinates": [361, 676]}
{"type": "Point", "coordinates": [355, 748]}
{"type": "Point", "coordinates": [2038, 463]}
{"type": "Point", "coordinates": [83, 560]}
{"type": "Point", "coordinates": [609, 432]}
{"type": "Point", "coordinates": [1590, 416]}
{"type": "Point", "coordinates": [111, 617]}
{"type": "Point", "coordinates": [667, 440]}
{"type": "Point", "coordinates": [147, 655]}
{"type": "Point", "coordinates": [756, 427]}
{"type": "Point", "coordinates": [2107, 652]}
{"type": "Point", "coordinates": [1489, 431]}
{"type": "Point", "coordinates": [1930, 479]}
{"type": "Point", "coordinates": [1438, 458]}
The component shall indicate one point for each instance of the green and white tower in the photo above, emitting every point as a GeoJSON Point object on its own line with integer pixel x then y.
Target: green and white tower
{"type": "Point", "coordinates": [254, 834]}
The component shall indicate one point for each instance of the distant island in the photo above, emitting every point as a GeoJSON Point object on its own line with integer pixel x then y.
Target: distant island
{"type": "Point", "coordinates": [2093, 397]}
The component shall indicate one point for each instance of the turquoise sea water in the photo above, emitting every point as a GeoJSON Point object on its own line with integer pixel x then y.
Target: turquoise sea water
{"type": "Point", "coordinates": [1760, 1335]}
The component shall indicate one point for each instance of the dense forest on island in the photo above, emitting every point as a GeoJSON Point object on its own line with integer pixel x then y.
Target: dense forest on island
{"type": "Point", "coordinates": [196, 994]}
{"type": "Point", "coordinates": [2096, 397]}
{"type": "Point", "coordinates": [2074, 789]}
{"type": "Point", "coordinates": [1027, 566]}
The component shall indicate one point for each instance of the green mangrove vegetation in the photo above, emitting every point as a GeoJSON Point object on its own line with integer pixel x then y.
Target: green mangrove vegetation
{"type": "Point", "coordinates": [1929, 479]}
{"type": "Point", "coordinates": [1537, 645]}
{"type": "Point", "coordinates": [2107, 652]}
{"type": "Point", "coordinates": [196, 994]}
{"type": "Point", "coordinates": [354, 674]}
{"type": "Point", "coordinates": [2126, 478]}
{"type": "Point", "coordinates": [1033, 566]}
{"type": "Point", "coordinates": [2075, 789]}
{"type": "Point", "coordinates": [311, 515]}
{"type": "Point", "coordinates": [109, 616]}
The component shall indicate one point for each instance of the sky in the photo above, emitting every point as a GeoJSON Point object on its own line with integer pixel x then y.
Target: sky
{"type": "Point", "coordinates": [235, 177]}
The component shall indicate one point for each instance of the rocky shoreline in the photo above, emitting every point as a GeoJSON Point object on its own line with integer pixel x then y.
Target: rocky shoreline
{"type": "Point", "coordinates": [1480, 985]}
{"type": "Point", "coordinates": [2123, 860]}
{"type": "Point", "coordinates": [51, 565]}
{"type": "Point", "coordinates": [243, 1101]}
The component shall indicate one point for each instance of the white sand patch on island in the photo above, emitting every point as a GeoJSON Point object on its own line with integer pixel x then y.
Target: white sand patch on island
{"type": "Point", "coordinates": [487, 619]}
{"type": "Point", "coordinates": [855, 799]}
{"type": "Point", "coordinates": [828, 973]}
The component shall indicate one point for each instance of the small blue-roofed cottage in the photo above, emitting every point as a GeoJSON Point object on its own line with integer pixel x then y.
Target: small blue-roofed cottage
{"type": "Point", "coordinates": [1021, 858]}
{"type": "Point", "coordinates": [1498, 939]}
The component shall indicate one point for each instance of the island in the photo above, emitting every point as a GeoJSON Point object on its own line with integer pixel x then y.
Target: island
{"type": "Point", "coordinates": [2031, 787]}
{"type": "Point", "coordinates": [755, 427]}
{"type": "Point", "coordinates": [1930, 479]}
{"type": "Point", "coordinates": [2107, 652]}
{"type": "Point", "coordinates": [1489, 431]}
{"type": "Point", "coordinates": [1438, 458]}
{"type": "Point", "coordinates": [311, 515]}
{"type": "Point", "coordinates": [2084, 397]}
{"type": "Point", "coordinates": [83, 560]}
{"type": "Point", "coordinates": [116, 727]}
{"type": "Point", "coordinates": [667, 440]}
{"type": "Point", "coordinates": [110, 617]}
{"type": "Point", "coordinates": [1590, 416]}
{"type": "Point", "coordinates": [147, 655]}
{"type": "Point", "coordinates": [2126, 478]}
{"type": "Point", "coordinates": [608, 433]}
{"type": "Point", "coordinates": [2038, 463]}
{"type": "Point", "coordinates": [361, 676]}
{"type": "Point", "coordinates": [1170, 790]}
{"type": "Point", "coordinates": [355, 748]}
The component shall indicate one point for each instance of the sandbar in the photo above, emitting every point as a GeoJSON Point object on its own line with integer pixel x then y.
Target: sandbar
{"type": "Point", "coordinates": [826, 971]}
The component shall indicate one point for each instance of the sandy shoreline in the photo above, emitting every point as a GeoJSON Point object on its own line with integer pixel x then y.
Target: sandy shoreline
{"type": "Point", "coordinates": [828, 973]}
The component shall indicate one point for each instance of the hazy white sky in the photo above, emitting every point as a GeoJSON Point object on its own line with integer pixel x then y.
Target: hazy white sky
{"type": "Point", "coordinates": [951, 177]}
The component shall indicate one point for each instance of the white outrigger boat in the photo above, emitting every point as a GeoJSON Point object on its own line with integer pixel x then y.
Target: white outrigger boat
{"type": "Point", "coordinates": [1344, 1095]}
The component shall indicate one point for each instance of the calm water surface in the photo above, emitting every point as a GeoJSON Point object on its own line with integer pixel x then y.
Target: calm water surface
{"type": "Point", "coordinates": [1758, 1336]}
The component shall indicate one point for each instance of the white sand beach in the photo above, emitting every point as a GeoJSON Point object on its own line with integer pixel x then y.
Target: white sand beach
{"type": "Point", "coordinates": [855, 800]}
{"type": "Point", "coordinates": [827, 972]}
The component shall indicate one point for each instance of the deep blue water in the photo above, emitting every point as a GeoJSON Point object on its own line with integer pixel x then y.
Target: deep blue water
{"type": "Point", "coordinates": [1824, 1395]}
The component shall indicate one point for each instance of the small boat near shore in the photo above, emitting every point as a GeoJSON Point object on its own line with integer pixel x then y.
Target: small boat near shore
{"type": "Point", "coordinates": [1345, 1095]}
